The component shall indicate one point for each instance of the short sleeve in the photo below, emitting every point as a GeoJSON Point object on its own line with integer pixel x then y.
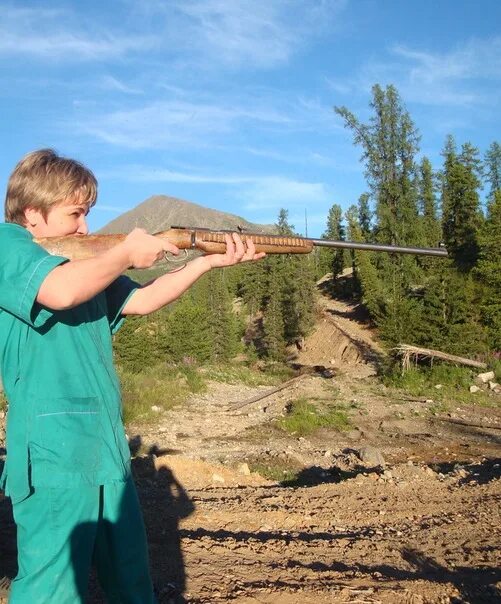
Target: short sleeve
{"type": "Point", "coordinates": [23, 267]}
{"type": "Point", "coordinates": [117, 295]}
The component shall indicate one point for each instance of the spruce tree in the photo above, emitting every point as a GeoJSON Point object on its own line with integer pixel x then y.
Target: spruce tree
{"type": "Point", "coordinates": [187, 332]}
{"type": "Point", "coordinates": [428, 205]}
{"type": "Point", "coordinates": [365, 216]}
{"type": "Point", "coordinates": [332, 260]}
{"type": "Point", "coordinates": [493, 169]}
{"type": "Point", "coordinates": [461, 214]}
{"type": "Point", "coordinates": [223, 324]}
{"type": "Point", "coordinates": [390, 143]}
{"type": "Point", "coordinates": [488, 271]}
{"type": "Point", "coordinates": [273, 324]}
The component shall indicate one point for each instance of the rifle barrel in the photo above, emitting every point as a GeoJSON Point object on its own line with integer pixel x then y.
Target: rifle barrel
{"type": "Point", "coordinates": [376, 247]}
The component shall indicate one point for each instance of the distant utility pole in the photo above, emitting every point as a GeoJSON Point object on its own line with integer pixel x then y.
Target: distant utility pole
{"type": "Point", "coordinates": [305, 223]}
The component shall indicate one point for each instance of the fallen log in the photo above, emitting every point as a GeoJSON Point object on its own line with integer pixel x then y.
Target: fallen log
{"type": "Point", "coordinates": [407, 351]}
{"type": "Point", "coordinates": [235, 406]}
{"type": "Point", "coordinates": [461, 422]}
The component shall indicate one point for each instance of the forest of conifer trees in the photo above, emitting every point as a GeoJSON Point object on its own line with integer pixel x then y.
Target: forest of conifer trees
{"type": "Point", "coordinates": [450, 304]}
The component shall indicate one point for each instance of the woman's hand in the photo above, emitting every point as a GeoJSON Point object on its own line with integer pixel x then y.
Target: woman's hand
{"type": "Point", "coordinates": [236, 251]}
{"type": "Point", "coordinates": [143, 250]}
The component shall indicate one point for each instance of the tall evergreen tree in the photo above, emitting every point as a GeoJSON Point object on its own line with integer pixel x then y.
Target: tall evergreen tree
{"type": "Point", "coordinates": [428, 205]}
{"type": "Point", "coordinates": [488, 271]}
{"type": "Point", "coordinates": [493, 169]}
{"type": "Point", "coordinates": [223, 324]}
{"type": "Point", "coordinates": [389, 142]}
{"type": "Point", "coordinates": [461, 215]}
{"type": "Point", "coordinates": [365, 216]}
{"type": "Point", "coordinates": [328, 259]}
{"type": "Point", "coordinates": [187, 330]}
{"type": "Point", "coordinates": [283, 225]}
{"type": "Point", "coordinates": [273, 323]}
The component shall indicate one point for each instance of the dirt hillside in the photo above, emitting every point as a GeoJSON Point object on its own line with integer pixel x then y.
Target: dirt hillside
{"type": "Point", "coordinates": [402, 507]}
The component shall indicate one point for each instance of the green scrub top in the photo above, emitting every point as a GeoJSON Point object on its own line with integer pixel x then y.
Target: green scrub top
{"type": "Point", "coordinates": [64, 423]}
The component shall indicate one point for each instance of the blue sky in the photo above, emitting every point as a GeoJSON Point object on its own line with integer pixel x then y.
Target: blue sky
{"type": "Point", "coordinates": [228, 103]}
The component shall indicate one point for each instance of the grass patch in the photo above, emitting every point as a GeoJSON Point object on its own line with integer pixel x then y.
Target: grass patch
{"type": "Point", "coordinates": [247, 376]}
{"type": "Point", "coordinates": [454, 385]}
{"type": "Point", "coordinates": [304, 417]}
{"type": "Point", "coordinates": [276, 468]}
{"type": "Point", "coordinates": [160, 386]}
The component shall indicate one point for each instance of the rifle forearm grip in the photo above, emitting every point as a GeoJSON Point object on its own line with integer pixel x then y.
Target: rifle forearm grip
{"type": "Point", "coordinates": [214, 242]}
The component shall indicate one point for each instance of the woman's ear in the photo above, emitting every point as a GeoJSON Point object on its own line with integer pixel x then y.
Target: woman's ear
{"type": "Point", "coordinates": [32, 217]}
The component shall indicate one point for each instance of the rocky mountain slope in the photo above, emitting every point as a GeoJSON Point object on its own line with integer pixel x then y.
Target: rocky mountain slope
{"type": "Point", "coordinates": [160, 212]}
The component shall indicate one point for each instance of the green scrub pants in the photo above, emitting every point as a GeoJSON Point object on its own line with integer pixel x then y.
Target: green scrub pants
{"type": "Point", "coordinates": [61, 532]}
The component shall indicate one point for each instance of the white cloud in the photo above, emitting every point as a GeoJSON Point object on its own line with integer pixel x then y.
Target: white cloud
{"type": "Point", "coordinates": [255, 192]}
{"type": "Point", "coordinates": [113, 84]}
{"type": "Point", "coordinates": [448, 78]}
{"type": "Point", "coordinates": [138, 173]}
{"type": "Point", "coordinates": [206, 33]}
{"type": "Point", "coordinates": [238, 31]}
{"type": "Point", "coordinates": [242, 33]}
{"type": "Point", "coordinates": [277, 192]}
{"type": "Point", "coordinates": [60, 34]}
{"type": "Point", "coordinates": [160, 124]}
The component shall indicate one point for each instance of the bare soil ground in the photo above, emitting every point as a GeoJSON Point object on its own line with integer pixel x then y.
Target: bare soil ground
{"type": "Point", "coordinates": [419, 526]}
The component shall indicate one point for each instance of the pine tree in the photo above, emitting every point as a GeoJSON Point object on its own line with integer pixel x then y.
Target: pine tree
{"type": "Point", "coordinates": [389, 142]}
{"type": "Point", "coordinates": [283, 225]}
{"type": "Point", "coordinates": [428, 205]}
{"type": "Point", "coordinates": [488, 271]}
{"type": "Point", "coordinates": [187, 332]}
{"type": "Point", "coordinates": [332, 260]}
{"type": "Point", "coordinates": [137, 344]}
{"type": "Point", "coordinates": [461, 215]}
{"type": "Point", "coordinates": [493, 169]}
{"type": "Point", "coordinates": [223, 324]}
{"type": "Point", "coordinates": [273, 324]}
{"type": "Point", "coordinates": [365, 216]}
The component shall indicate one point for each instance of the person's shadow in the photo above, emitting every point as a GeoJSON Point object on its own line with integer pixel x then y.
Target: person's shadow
{"type": "Point", "coordinates": [8, 548]}
{"type": "Point", "coordinates": [164, 502]}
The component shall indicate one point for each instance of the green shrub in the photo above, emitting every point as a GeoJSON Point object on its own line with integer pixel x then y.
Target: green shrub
{"type": "Point", "coordinates": [160, 386]}
{"type": "Point", "coordinates": [304, 417]}
{"type": "Point", "coordinates": [454, 384]}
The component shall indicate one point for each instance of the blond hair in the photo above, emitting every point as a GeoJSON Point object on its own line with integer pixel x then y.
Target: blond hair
{"type": "Point", "coordinates": [43, 179]}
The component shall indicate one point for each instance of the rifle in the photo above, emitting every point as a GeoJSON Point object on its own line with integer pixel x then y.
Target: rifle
{"type": "Point", "coordinates": [78, 247]}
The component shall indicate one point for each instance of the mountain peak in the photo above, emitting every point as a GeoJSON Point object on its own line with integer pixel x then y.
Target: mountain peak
{"type": "Point", "coordinates": [161, 212]}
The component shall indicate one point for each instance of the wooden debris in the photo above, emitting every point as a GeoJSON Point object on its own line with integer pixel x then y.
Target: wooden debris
{"type": "Point", "coordinates": [409, 352]}
{"type": "Point", "coordinates": [233, 406]}
{"type": "Point", "coordinates": [461, 422]}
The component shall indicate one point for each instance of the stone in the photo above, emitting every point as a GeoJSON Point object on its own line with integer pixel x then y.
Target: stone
{"type": "Point", "coordinates": [474, 389]}
{"type": "Point", "coordinates": [485, 377]}
{"type": "Point", "coordinates": [371, 456]}
{"type": "Point", "coordinates": [244, 469]}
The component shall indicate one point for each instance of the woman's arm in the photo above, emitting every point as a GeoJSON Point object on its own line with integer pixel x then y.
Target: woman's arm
{"type": "Point", "coordinates": [169, 287]}
{"type": "Point", "coordinates": [72, 283]}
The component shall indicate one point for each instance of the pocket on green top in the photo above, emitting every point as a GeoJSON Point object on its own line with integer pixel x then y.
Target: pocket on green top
{"type": "Point", "coordinates": [65, 437]}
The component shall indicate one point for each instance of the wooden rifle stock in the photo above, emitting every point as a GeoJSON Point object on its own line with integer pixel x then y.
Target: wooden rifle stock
{"type": "Point", "coordinates": [80, 247]}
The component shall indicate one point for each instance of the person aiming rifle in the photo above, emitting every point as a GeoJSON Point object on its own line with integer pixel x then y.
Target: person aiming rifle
{"type": "Point", "coordinates": [68, 462]}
